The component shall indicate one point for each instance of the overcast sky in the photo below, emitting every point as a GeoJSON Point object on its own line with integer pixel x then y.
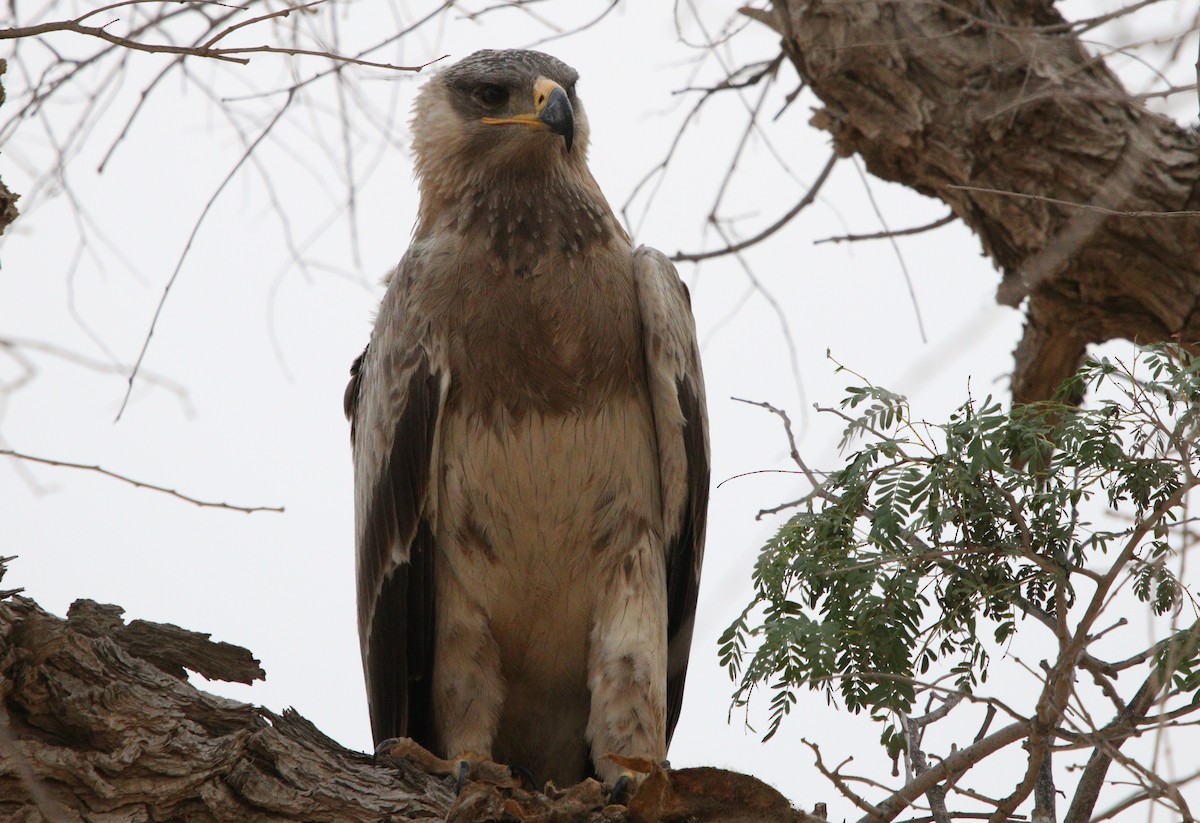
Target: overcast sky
{"type": "Point", "coordinates": [241, 396]}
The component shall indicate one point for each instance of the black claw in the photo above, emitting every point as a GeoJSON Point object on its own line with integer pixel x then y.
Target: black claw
{"type": "Point", "coordinates": [620, 794]}
{"type": "Point", "coordinates": [464, 771]}
{"type": "Point", "coordinates": [524, 775]}
{"type": "Point", "coordinates": [383, 751]}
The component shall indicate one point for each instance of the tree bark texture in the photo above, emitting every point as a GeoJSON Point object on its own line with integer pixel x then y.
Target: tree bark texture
{"type": "Point", "coordinates": [1073, 186]}
{"type": "Point", "coordinates": [99, 723]}
{"type": "Point", "coordinates": [94, 732]}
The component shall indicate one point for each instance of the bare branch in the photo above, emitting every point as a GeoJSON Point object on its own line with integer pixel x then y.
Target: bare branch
{"type": "Point", "coordinates": [123, 42]}
{"type": "Point", "coordinates": [986, 724]}
{"type": "Point", "coordinates": [948, 702]}
{"type": "Point", "coordinates": [1084, 206]}
{"type": "Point", "coordinates": [1044, 794]}
{"type": "Point", "coordinates": [1090, 783]}
{"type": "Point", "coordinates": [1150, 793]}
{"type": "Point", "coordinates": [957, 762]}
{"type": "Point", "coordinates": [14, 344]}
{"type": "Point", "coordinates": [912, 294]}
{"type": "Point", "coordinates": [188, 246]}
{"type": "Point", "coordinates": [582, 27]}
{"type": "Point", "coordinates": [787, 428]}
{"type": "Point", "coordinates": [809, 197]}
{"type": "Point", "coordinates": [124, 3]}
{"type": "Point", "coordinates": [882, 235]}
{"type": "Point", "coordinates": [232, 55]}
{"type": "Point", "coordinates": [791, 504]}
{"type": "Point", "coordinates": [137, 483]}
{"type": "Point", "coordinates": [1039, 755]}
{"type": "Point", "coordinates": [913, 732]}
{"type": "Point", "coordinates": [285, 12]}
{"type": "Point", "coordinates": [836, 779]}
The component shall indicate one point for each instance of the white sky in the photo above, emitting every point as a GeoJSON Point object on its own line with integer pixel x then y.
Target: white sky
{"type": "Point", "coordinates": [262, 346]}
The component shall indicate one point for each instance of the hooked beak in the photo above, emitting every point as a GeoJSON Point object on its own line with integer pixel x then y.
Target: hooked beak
{"type": "Point", "coordinates": [554, 110]}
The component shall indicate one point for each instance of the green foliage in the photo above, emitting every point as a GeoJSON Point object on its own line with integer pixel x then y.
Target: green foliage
{"type": "Point", "coordinates": [934, 540]}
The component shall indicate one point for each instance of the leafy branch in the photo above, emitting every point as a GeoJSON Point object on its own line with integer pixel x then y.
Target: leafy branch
{"type": "Point", "coordinates": [922, 556]}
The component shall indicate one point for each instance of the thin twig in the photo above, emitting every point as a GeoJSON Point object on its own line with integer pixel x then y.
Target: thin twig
{"type": "Point", "coordinates": [787, 428]}
{"type": "Point", "coordinates": [883, 235]}
{"type": "Point", "coordinates": [1072, 204]}
{"type": "Point", "coordinates": [891, 238]}
{"type": "Point", "coordinates": [1150, 793]}
{"type": "Point", "coordinates": [226, 54]}
{"type": "Point", "coordinates": [122, 3]}
{"type": "Point", "coordinates": [188, 246]}
{"type": "Point", "coordinates": [1087, 789]}
{"type": "Point", "coordinates": [836, 779]}
{"type": "Point", "coordinates": [12, 344]}
{"type": "Point", "coordinates": [124, 42]}
{"type": "Point", "coordinates": [228, 30]}
{"type": "Point", "coordinates": [232, 55]}
{"type": "Point", "coordinates": [955, 763]}
{"type": "Point", "coordinates": [809, 197]}
{"type": "Point", "coordinates": [141, 484]}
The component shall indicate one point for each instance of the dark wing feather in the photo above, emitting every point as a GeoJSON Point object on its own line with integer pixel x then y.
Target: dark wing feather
{"type": "Point", "coordinates": [686, 550]}
{"type": "Point", "coordinates": [394, 402]}
{"type": "Point", "coordinates": [681, 423]}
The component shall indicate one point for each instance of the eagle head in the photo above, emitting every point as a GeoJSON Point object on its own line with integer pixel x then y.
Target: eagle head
{"type": "Point", "coordinates": [508, 111]}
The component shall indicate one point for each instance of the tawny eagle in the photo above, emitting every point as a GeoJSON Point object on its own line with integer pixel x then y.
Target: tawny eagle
{"type": "Point", "coordinates": [530, 448]}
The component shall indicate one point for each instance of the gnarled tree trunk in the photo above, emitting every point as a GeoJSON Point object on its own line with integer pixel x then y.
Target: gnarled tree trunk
{"type": "Point", "coordinates": [1075, 188]}
{"type": "Point", "coordinates": [99, 723]}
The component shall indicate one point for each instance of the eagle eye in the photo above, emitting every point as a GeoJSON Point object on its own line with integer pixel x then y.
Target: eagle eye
{"type": "Point", "coordinates": [492, 95]}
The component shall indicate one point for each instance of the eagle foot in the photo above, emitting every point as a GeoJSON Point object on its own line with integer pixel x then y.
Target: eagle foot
{"type": "Point", "coordinates": [405, 748]}
{"type": "Point", "coordinates": [635, 772]}
{"type": "Point", "coordinates": [468, 766]}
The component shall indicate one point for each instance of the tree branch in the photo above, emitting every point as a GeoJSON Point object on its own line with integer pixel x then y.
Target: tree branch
{"type": "Point", "coordinates": [955, 763]}
{"type": "Point", "coordinates": [837, 780]}
{"type": "Point", "coordinates": [1100, 235]}
{"type": "Point", "coordinates": [1091, 781]}
{"type": "Point", "coordinates": [231, 54]}
{"type": "Point", "coordinates": [141, 484]}
{"type": "Point", "coordinates": [884, 235]}
{"type": "Point", "coordinates": [98, 721]}
{"type": "Point", "coordinates": [734, 248]}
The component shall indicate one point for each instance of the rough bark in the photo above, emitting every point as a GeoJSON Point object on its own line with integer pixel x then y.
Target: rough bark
{"type": "Point", "coordinates": [94, 732]}
{"type": "Point", "coordinates": [998, 110]}
{"type": "Point", "coordinates": [99, 723]}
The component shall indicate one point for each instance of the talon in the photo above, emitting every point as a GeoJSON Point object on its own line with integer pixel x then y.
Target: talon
{"type": "Point", "coordinates": [621, 791]}
{"type": "Point", "coordinates": [523, 776]}
{"type": "Point", "coordinates": [464, 771]}
{"type": "Point", "coordinates": [395, 747]}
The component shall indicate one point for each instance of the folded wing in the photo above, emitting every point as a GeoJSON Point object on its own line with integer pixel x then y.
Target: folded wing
{"type": "Point", "coordinates": [394, 401]}
{"type": "Point", "coordinates": [681, 423]}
